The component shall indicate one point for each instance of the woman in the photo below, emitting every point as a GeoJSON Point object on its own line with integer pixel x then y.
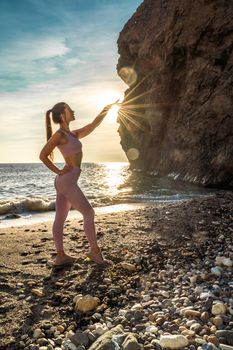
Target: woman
{"type": "Point", "coordinates": [68, 192]}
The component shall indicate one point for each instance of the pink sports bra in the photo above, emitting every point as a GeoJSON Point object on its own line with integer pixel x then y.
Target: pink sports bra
{"type": "Point", "coordinates": [72, 146]}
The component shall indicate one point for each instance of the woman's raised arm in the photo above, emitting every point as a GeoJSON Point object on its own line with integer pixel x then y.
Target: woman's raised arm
{"type": "Point", "coordinates": [87, 129]}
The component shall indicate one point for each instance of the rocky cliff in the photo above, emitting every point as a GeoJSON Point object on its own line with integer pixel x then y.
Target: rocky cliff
{"type": "Point", "coordinates": [176, 57]}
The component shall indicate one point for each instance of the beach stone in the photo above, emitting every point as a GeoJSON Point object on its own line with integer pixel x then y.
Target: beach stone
{"type": "Point", "coordinates": [160, 320]}
{"type": "Point", "coordinates": [128, 266]}
{"type": "Point", "coordinates": [97, 316]}
{"type": "Point", "coordinates": [207, 305]}
{"type": "Point", "coordinates": [196, 327]}
{"type": "Point", "coordinates": [192, 313]}
{"type": "Point", "coordinates": [230, 310]}
{"type": "Point", "coordinates": [139, 327]}
{"type": "Point", "coordinates": [146, 297]}
{"type": "Point", "coordinates": [136, 307]}
{"type": "Point", "coordinates": [65, 343]}
{"type": "Point", "coordinates": [206, 295]}
{"type": "Point", "coordinates": [205, 316]}
{"type": "Point", "coordinates": [100, 328]}
{"type": "Point", "coordinates": [122, 312]}
{"type": "Point", "coordinates": [207, 346]}
{"type": "Point", "coordinates": [24, 336]}
{"type": "Point", "coordinates": [188, 333]}
{"type": "Point", "coordinates": [58, 340]}
{"type": "Point", "coordinates": [222, 260]}
{"type": "Point", "coordinates": [217, 321]}
{"type": "Point", "coordinates": [105, 340]}
{"type": "Point", "coordinates": [86, 303]}
{"type": "Point", "coordinates": [183, 310]}
{"type": "Point", "coordinates": [60, 329]}
{"type": "Point", "coordinates": [193, 279]}
{"type": "Point", "coordinates": [119, 338]}
{"type": "Point", "coordinates": [80, 338]}
{"type": "Point", "coordinates": [218, 309]}
{"type": "Point", "coordinates": [38, 292]}
{"type": "Point", "coordinates": [152, 329]}
{"type": "Point", "coordinates": [192, 347]}
{"type": "Point", "coordinates": [131, 343]}
{"type": "Point", "coordinates": [199, 341]}
{"type": "Point", "coordinates": [225, 347]}
{"type": "Point", "coordinates": [37, 333]}
{"type": "Point", "coordinates": [91, 336]}
{"type": "Point", "coordinates": [148, 285]}
{"type": "Point", "coordinates": [81, 347]}
{"type": "Point", "coordinates": [138, 315]}
{"type": "Point", "coordinates": [173, 341]}
{"type": "Point", "coordinates": [164, 293]}
{"type": "Point", "coordinates": [51, 342]}
{"type": "Point", "coordinates": [182, 328]}
{"type": "Point", "coordinates": [72, 346]}
{"type": "Point", "coordinates": [213, 339]}
{"type": "Point", "coordinates": [107, 280]}
{"type": "Point", "coordinates": [216, 271]}
{"type": "Point", "coordinates": [42, 341]}
{"type": "Point", "coordinates": [225, 336]}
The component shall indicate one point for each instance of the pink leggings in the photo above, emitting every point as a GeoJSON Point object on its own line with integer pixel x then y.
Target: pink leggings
{"type": "Point", "coordinates": [69, 194]}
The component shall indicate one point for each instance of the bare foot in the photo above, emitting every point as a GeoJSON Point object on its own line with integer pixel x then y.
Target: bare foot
{"type": "Point", "coordinates": [64, 260]}
{"type": "Point", "coordinates": [96, 255]}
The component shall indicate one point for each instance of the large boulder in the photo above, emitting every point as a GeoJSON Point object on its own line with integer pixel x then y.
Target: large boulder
{"type": "Point", "coordinates": [177, 58]}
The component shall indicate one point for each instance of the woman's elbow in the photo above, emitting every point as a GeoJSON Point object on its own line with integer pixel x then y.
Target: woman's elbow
{"type": "Point", "coordinates": [42, 156]}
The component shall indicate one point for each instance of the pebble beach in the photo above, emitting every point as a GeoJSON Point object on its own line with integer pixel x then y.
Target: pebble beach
{"type": "Point", "coordinates": [169, 284]}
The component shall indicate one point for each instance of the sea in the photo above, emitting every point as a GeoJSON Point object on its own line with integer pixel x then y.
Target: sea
{"type": "Point", "coordinates": [27, 193]}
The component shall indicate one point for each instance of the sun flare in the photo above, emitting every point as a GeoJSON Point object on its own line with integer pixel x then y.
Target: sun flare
{"type": "Point", "coordinates": [107, 98]}
{"type": "Point", "coordinates": [112, 115]}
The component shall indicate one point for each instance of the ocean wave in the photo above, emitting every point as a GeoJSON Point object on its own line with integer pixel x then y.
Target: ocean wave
{"type": "Point", "coordinates": [35, 204]}
{"type": "Point", "coordinates": [26, 205]}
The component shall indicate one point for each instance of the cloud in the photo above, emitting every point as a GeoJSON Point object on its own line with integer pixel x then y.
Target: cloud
{"type": "Point", "coordinates": [37, 48]}
{"type": "Point", "coordinates": [73, 61]}
{"type": "Point", "coordinates": [50, 70]}
{"type": "Point", "coordinates": [61, 51]}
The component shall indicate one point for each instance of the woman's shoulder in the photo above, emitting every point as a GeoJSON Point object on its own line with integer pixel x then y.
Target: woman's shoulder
{"type": "Point", "coordinates": [57, 136]}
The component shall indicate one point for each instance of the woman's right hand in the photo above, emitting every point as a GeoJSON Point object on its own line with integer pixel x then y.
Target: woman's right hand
{"type": "Point", "coordinates": [107, 107]}
{"type": "Point", "coordinates": [65, 170]}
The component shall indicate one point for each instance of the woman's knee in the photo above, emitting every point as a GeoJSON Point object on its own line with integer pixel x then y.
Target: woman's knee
{"type": "Point", "coordinates": [90, 212]}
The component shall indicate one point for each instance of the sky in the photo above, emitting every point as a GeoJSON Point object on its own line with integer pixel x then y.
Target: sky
{"type": "Point", "coordinates": [59, 50]}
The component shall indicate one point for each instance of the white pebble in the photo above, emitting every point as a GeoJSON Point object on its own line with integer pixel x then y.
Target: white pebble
{"type": "Point", "coordinates": [100, 328]}
{"type": "Point", "coordinates": [173, 341]}
{"type": "Point", "coordinates": [136, 307]}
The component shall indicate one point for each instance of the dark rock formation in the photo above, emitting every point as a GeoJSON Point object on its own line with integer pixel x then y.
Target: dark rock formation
{"type": "Point", "coordinates": [177, 58]}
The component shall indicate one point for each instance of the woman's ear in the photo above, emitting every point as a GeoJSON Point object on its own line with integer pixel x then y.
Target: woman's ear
{"type": "Point", "coordinates": [62, 117]}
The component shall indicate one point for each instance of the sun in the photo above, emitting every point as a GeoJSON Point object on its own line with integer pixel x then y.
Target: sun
{"type": "Point", "coordinates": [112, 115]}
{"type": "Point", "coordinates": [106, 98]}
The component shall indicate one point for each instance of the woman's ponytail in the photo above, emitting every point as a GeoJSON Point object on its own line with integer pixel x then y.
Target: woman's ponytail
{"type": "Point", "coordinates": [49, 130]}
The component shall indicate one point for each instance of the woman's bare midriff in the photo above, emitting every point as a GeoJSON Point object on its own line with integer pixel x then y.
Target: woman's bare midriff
{"type": "Point", "coordinates": [74, 160]}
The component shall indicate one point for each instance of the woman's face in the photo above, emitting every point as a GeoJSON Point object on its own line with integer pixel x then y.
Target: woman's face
{"type": "Point", "coordinates": [68, 114]}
